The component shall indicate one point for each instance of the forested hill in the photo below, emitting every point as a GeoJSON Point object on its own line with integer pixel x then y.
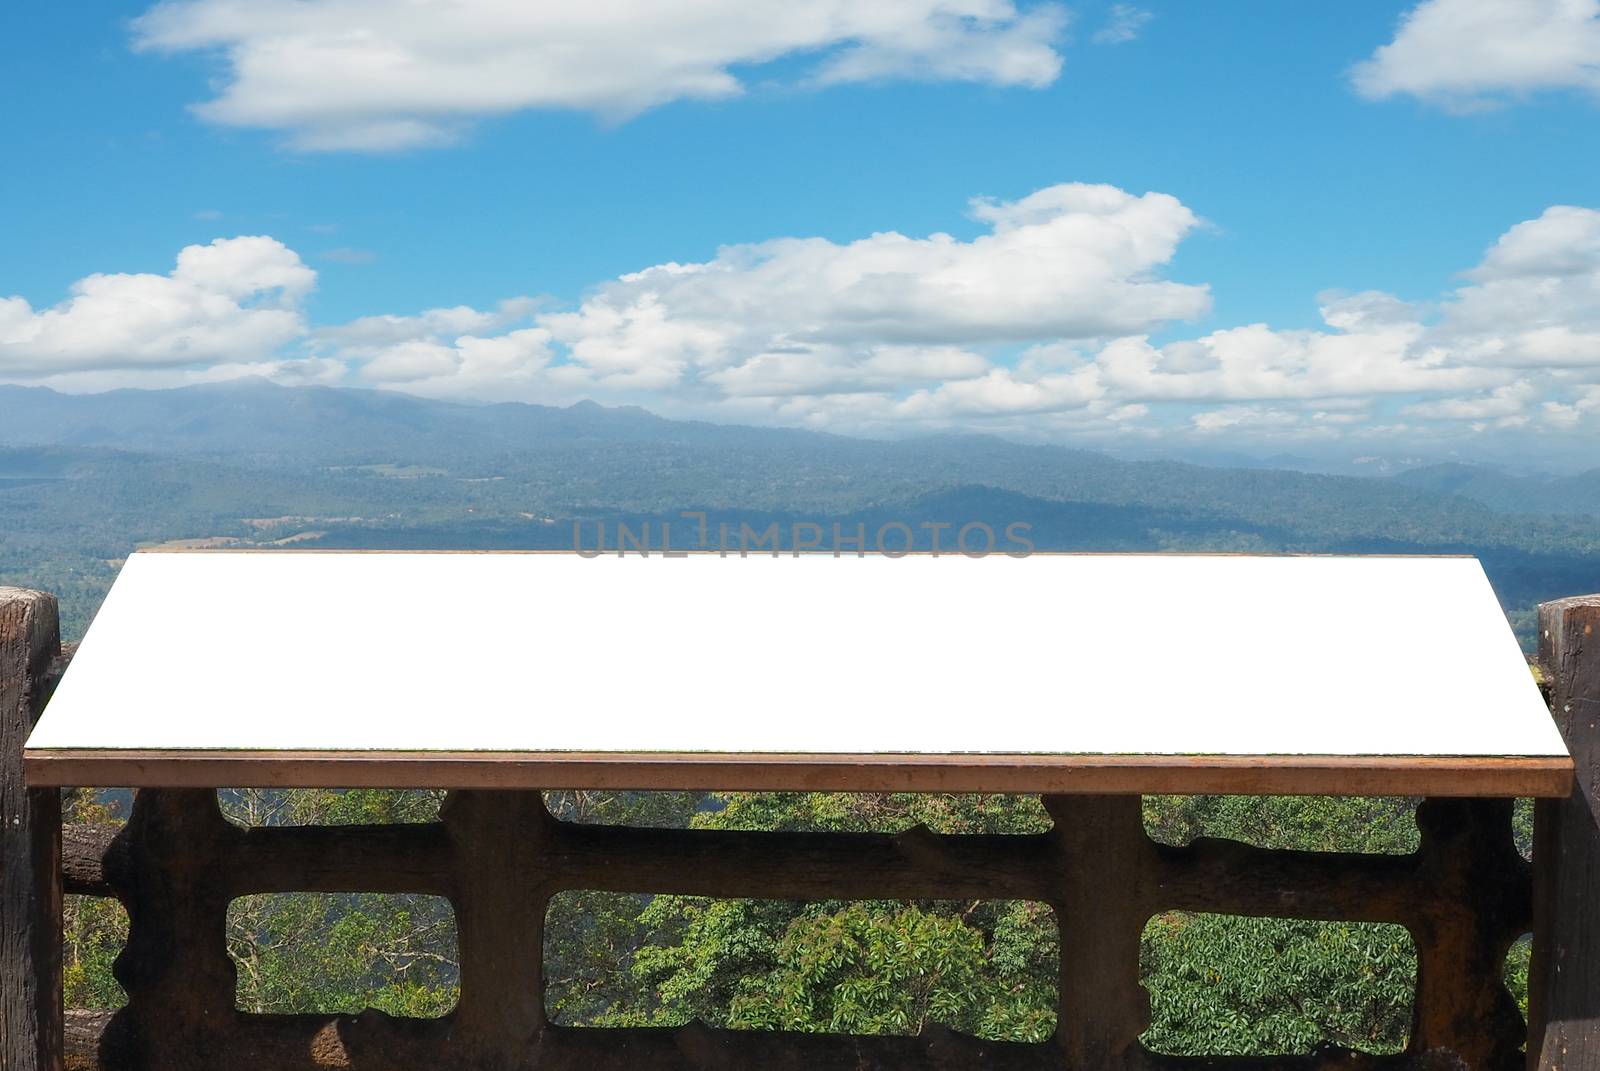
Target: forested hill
{"type": "Point", "coordinates": [84, 479]}
{"type": "Point", "coordinates": [253, 417]}
{"type": "Point", "coordinates": [630, 459]}
{"type": "Point", "coordinates": [1508, 493]}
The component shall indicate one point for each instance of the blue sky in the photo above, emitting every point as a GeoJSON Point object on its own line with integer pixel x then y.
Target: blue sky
{"type": "Point", "coordinates": [432, 171]}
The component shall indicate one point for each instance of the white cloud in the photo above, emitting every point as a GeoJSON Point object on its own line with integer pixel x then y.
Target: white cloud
{"type": "Point", "coordinates": [367, 336]}
{"type": "Point", "coordinates": [1002, 391]}
{"type": "Point", "coordinates": [1124, 22]}
{"type": "Point", "coordinates": [1534, 301]}
{"type": "Point", "coordinates": [1067, 262]}
{"type": "Point", "coordinates": [353, 74]}
{"type": "Point", "coordinates": [1468, 53]}
{"type": "Point", "coordinates": [467, 366]}
{"type": "Point", "coordinates": [292, 371]}
{"type": "Point", "coordinates": [447, 352]}
{"type": "Point", "coordinates": [806, 316]}
{"type": "Point", "coordinates": [1243, 416]}
{"type": "Point", "coordinates": [1258, 362]}
{"type": "Point", "coordinates": [1487, 354]}
{"type": "Point", "coordinates": [1052, 320]}
{"type": "Point", "coordinates": [237, 299]}
{"type": "Point", "coordinates": [1585, 405]}
{"type": "Point", "coordinates": [836, 369]}
{"type": "Point", "coordinates": [1507, 402]}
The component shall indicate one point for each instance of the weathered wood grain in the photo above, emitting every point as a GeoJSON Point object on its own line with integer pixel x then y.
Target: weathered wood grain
{"type": "Point", "coordinates": [1284, 775]}
{"type": "Point", "coordinates": [30, 829]}
{"type": "Point", "coordinates": [499, 857]}
{"type": "Point", "coordinates": [89, 1041]}
{"type": "Point", "coordinates": [376, 1042]}
{"type": "Point", "coordinates": [92, 858]}
{"type": "Point", "coordinates": [500, 911]}
{"type": "Point", "coordinates": [1475, 893]}
{"type": "Point", "coordinates": [1565, 975]}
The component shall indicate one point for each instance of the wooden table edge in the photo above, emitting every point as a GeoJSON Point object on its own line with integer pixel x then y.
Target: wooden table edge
{"type": "Point", "coordinates": [1309, 775]}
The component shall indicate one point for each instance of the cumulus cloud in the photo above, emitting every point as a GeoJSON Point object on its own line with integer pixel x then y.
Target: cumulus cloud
{"type": "Point", "coordinates": [234, 300]}
{"type": "Point", "coordinates": [1508, 402]}
{"type": "Point", "coordinates": [836, 369]}
{"type": "Point", "coordinates": [1469, 53]}
{"type": "Point", "coordinates": [1054, 316]}
{"type": "Point", "coordinates": [291, 371]}
{"type": "Point", "coordinates": [1232, 417]}
{"type": "Point", "coordinates": [445, 352]}
{"type": "Point", "coordinates": [1067, 262]}
{"type": "Point", "coordinates": [807, 316]}
{"type": "Point", "coordinates": [1002, 391]}
{"type": "Point", "coordinates": [892, 332]}
{"type": "Point", "coordinates": [1585, 405]}
{"type": "Point", "coordinates": [467, 365]}
{"type": "Point", "coordinates": [1534, 301]}
{"type": "Point", "coordinates": [349, 74]}
{"type": "Point", "coordinates": [1258, 362]}
{"type": "Point", "coordinates": [367, 336]}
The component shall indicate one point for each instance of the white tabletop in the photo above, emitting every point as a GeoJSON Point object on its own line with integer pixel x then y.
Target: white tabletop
{"type": "Point", "coordinates": [313, 656]}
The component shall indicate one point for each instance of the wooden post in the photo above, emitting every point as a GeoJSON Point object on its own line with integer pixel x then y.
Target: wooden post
{"type": "Point", "coordinates": [1564, 980]}
{"type": "Point", "coordinates": [30, 844]}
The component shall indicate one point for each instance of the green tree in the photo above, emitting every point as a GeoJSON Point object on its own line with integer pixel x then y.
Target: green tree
{"type": "Point", "coordinates": [1229, 986]}
{"type": "Point", "coordinates": [1218, 984]}
{"type": "Point", "coordinates": [341, 953]}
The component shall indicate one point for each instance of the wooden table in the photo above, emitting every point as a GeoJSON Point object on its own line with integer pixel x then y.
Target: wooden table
{"type": "Point", "coordinates": [1088, 679]}
{"type": "Point", "coordinates": [1052, 673]}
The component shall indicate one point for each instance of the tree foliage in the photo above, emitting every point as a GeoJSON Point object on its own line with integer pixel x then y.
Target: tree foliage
{"type": "Point", "coordinates": [1218, 984]}
{"type": "Point", "coordinates": [1229, 986]}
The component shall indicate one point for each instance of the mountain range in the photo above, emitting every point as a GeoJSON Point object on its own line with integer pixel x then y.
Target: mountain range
{"type": "Point", "coordinates": [86, 478]}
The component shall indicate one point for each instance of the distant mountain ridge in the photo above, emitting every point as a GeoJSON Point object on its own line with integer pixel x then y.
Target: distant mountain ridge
{"type": "Point", "coordinates": [86, 478]}
{"type": "Point", "coordinates": [254, 420]}
{"type": "Point", "coordinates": [257, 417]}
{"type": "Point", "coordinates": [1506, 493]}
